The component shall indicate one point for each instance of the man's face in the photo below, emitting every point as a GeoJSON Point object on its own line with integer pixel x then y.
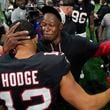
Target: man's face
{"type": "Point", "coordinates": [21, 3]}
{"type": "Point", "coordinates": [50, 26]}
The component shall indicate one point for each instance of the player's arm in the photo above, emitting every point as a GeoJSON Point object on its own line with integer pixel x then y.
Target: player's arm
{"type": "Point", "coordinates": [76, 96]}
{"type": "Point", "coordinates": [91, 18]}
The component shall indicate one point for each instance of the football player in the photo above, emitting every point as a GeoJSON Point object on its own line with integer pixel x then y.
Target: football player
{"type": "Point", "coordinates": [83, 10]}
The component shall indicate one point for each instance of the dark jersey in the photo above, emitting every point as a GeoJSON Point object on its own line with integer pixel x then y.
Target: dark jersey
{"type": "Point", "coordinates": [79, 16]}
{"type": "Point", "coordinates": [77, 49]}
{"type": "Point", "coordinates": [69, 26]}
{"type": "Point", "coordinates": [33, 83]}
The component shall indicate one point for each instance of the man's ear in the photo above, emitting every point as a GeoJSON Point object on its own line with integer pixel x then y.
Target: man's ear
{"type": "Point", "coordinates": [61, 26]}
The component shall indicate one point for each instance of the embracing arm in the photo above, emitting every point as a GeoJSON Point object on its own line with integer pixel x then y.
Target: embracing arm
{"type": "Point", "coordinates": [76, 96]}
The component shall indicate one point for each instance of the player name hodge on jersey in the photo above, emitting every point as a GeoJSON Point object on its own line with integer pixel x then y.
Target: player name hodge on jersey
{"type": "Point", "coordinates": [19, 78]}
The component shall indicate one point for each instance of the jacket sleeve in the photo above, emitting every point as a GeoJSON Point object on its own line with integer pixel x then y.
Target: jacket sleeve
{"type": "Point", "coordinates": [103, 49]}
